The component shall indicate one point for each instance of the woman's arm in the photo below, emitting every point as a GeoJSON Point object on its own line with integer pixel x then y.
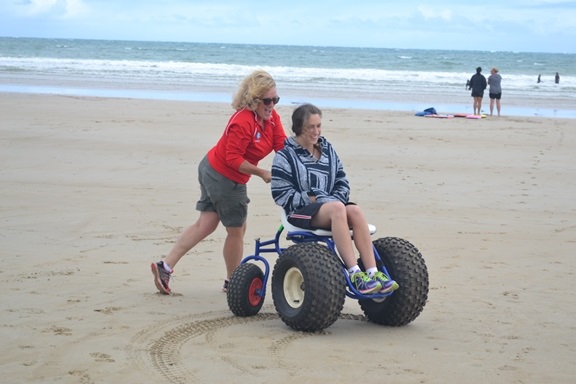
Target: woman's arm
{"type": "Point", "coordinates": [251, 169]}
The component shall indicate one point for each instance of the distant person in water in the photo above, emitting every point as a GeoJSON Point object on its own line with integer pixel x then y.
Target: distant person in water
{"type": "Point", "coordinates": [478, 85]}
{"type": "Point", "coordinates": [557, 78]}
{"type": "Point", "coordinates": [468, 84]}
{"type": "Point", "coordinates": [495, 90]}
{"type": "Point", "coordinates": [539, 81]}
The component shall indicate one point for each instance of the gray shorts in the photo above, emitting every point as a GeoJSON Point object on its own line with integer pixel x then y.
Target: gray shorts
{"type": "Point", "coordinates": [219, 194]}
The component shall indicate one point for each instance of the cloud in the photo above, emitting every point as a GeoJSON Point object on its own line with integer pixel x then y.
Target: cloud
{"type": "Point", "coordinates": [75, 8]}
{"type": "Point", "coordinates": [430, 13]}
{"type": "Point", "coordinates": [49, 8]}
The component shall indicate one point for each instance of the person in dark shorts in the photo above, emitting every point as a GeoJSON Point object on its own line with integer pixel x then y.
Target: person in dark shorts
{"type": "Point", "coordinates": [309, 183]}
{"type": "Point", "coordinates": [478, 85]}
{"type": "Point", "coordinates": [253, 131]}
{"type": "Point", "coordinates": [495, 90]}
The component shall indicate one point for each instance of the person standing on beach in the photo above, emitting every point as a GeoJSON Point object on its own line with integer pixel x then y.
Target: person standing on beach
{"type": "Point", "coordinates": [557, 78]}
{"type": "Point", "coordinates": [495, 90]}
{"type": "Point", "coordinates": [309, 183]}
{"type": "Point", "coordinates": [478, 85]}
{"type": "Point", "coordinates": [252, 132]}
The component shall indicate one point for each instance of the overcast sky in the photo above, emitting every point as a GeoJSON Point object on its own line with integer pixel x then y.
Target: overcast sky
{"type": "Point", "coordinates": [495, 25]}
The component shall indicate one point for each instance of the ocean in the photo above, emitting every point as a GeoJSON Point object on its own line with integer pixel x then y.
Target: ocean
{"type": "Point", "coordinates": [341, 77]}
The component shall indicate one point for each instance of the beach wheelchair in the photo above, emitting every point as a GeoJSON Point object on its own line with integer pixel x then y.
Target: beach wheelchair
{"type": "Point", "coordinates": [310, 281]}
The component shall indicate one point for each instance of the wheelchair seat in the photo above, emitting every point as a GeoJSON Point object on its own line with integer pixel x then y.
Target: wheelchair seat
{"type": "Point", "coordinates": [318, 232]}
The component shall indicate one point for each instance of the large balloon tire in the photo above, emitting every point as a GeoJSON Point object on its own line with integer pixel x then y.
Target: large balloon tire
{"type": "Point", "coordinates": [245, 290]}
{"type": "Point", "coordinates": [308, 287]}
{"type": "Point", "coordinates": [407, 267]}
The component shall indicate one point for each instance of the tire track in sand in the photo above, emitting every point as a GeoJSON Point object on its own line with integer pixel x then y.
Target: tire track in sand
{"type": "Point", "coordinates": [166, 350]}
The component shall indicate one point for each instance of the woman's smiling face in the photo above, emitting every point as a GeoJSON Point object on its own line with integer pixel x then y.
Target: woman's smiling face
{"type": "Point", "coordinates": [265, 111]}
{"type": "Point", "coordinates": [312, 130]}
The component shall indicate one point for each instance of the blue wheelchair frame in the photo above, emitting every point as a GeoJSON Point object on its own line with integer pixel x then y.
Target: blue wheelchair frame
{"type": "Point", "coordinates": [303, 236]}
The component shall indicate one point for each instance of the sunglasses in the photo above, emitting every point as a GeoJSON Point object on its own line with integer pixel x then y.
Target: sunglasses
{"type": "Point", "coordinates": [274, 100]}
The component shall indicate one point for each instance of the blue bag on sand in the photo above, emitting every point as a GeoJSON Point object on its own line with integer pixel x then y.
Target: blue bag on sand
{"type": "Point", "coordinates": [427, 111]}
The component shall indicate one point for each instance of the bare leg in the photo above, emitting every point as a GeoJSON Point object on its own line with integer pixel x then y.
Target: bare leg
{"type": "Point", "coordinates": [477, 105]}
{"type": "Point", "coordinates": [192, 235]}
{"type": "Point", "coordinates": [491, 106]}
{"type": "Point", "coordinates": [498, 106]}
{"type": "Point", "coordinates": [357, 221]}
{"type": "Point", "coordinates": [333, 215]}
{"type": "Point", "coordinates": [233, 248]}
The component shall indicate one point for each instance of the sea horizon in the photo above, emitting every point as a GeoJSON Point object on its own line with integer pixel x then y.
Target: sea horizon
{"type": "Point", "coordinates": [283, 45]}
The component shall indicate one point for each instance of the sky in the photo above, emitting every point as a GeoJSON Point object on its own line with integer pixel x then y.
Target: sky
{"type": "Point", "coordinates": [489, 25]}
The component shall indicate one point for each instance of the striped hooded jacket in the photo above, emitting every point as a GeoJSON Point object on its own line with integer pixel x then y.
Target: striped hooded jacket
{"type": "Point", "coordinates": [295, 173]}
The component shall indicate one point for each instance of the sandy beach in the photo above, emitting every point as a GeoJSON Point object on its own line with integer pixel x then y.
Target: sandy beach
{"type": "Point", "coordinates": [93, 190]}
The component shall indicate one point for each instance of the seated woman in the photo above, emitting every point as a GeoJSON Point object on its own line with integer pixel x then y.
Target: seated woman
{"type": "Point", "coordinates": [309, 182]}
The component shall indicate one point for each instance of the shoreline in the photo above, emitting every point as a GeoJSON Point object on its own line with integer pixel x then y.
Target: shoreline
{"type": "Point", "coordinates": [446, 105]}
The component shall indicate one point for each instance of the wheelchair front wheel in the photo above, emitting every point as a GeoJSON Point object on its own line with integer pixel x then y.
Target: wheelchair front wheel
{"type": "Point", "coordinates": [308, 287]}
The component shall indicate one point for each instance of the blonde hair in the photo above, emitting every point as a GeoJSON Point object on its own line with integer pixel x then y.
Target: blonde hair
{"type": "Point", "coordinates": [251, 89]}
{"type": "Point", "coordinates": [495, 69]}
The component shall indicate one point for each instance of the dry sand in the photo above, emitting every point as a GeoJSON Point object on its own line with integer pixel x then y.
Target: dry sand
{"type": "Point", "coordinates": [93, 190]}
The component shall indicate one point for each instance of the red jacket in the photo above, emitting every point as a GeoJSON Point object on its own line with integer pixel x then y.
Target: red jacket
{"type": "Point", "coordinates": [245, 139]}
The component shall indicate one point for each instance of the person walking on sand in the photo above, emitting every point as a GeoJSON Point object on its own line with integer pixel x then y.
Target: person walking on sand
{"type": "Point", "coordinates": [495, 90]}
{"type": "Point", "coordinates": [252, 132]}
{"type": "Point", "coordinates": [478, 85]}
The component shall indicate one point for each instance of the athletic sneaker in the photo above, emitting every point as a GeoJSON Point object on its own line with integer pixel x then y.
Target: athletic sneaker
{"type": "Point", "coordinates": [387, 284]}
{"type": "Point", "coordinates": [161, 277]}
{"type": "Point", "coordinates": [225, 287]}
{"type": "Point", "coordinates": [364, 284]}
